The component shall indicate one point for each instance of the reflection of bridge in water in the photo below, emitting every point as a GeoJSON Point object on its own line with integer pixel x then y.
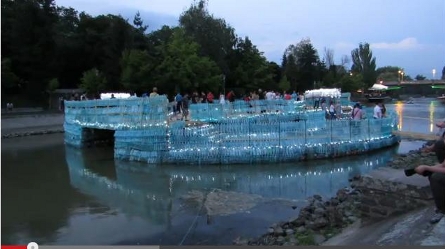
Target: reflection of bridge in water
{"type": "Point", "coordinates": [153, 192]}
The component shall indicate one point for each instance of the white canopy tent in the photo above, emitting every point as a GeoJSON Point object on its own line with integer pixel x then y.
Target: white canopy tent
{"type": "Point", "coordinates": [323, 92]}
{"type": "Point", "coordinates": [116, 95]}
{"type": "Point", "coordinates": [378, 87]}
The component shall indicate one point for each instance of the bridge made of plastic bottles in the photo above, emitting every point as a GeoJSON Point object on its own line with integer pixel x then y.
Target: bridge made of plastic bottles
{"type": "Point", "coordinates": [146, 129]}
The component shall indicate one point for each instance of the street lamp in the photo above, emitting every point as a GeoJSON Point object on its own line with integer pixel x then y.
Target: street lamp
{"type": "Point", "coordinates": [434, 74]}
{"type": "Point", "coordinates": [400, 75]}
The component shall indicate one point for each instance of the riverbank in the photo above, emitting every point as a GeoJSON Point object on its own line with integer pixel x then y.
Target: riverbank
{"type": "Point", "coordinates": [322, 219]}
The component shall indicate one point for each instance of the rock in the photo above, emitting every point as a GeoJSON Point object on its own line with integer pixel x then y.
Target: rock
{"type": "Point", "coordinates": [318, 204]}
{"type": "Point", "coordinates": [320, 222]}
{"type": "Point", "coordinates": [280, 239]}
{"type": "Point", "coordinates": [270, 230]}
{"type": "Point", "coordinates": [301, 229]}
{"type": "Point", "coordinates": [289, 231]}
{"type": "Point", "coordinates": [278, 231]}
{"type": "Point", "coordinates": [239, 241]}
{"type": "Point", "coordinates": [352, 219]}
{"type": "Point", "coordinates": [319, 239]}
{"type": "Point", "coordinates": [319, 212]}
{"type": "Point", "coordinates": [299, 222]}
{"type": "Point", "coordinates": [334, 201]}
{"type": "Point", "coordinates": [334, 216]}
{"type": "Point", "coordinates": [342, 195]}
{"type": "Point", "coordinates": [293, 241]}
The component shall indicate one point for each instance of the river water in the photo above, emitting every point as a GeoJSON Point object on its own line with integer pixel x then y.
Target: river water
{"type": "Point", "coordinates": [52, 194]}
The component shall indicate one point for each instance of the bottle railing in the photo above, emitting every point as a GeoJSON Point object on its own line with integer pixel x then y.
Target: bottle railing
{"type": "Point", "coordinates": [254, 132]}
{"type": "Point", "coordinates": [117, 113]}
{"type": "Point", "coordinates": [277, 119]}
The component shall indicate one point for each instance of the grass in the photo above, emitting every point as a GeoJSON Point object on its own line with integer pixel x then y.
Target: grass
{"type": "Point", "coordinates": [306, 238]}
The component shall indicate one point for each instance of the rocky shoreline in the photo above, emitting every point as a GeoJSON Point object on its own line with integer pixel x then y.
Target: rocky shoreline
{"type": "Point", "coordinates": [323, 219]}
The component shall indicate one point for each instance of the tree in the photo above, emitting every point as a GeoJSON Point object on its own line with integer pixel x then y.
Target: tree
{"type": "Point", "coordinates": [252, 70]}
{"type": "Point", "coordinates": [364, 63]}
{"type": "Point", "coordinates": [28, 29]}
{"type": "Point", "coordinates": [93, 81]}
{"type": "Point", "coordinates": [140, 40]}
{"type": "Point", "coordinates": [103, 39]}
{"type": "Point", "coordinates": [420, 77]}
{"type": "Point", "coordinates": [215, 37]}
{"type": "Point", "coordinates": [276, 72]}
{"type": "Point", "coordinates": [139, 23]}
{"type": "Point", "coordinates": [183, 69]}
{"type": "Point", "coordinates": [303, 65]}
{"type": "Point", "coordinates": [52, 86]}
{"type": "Point", "coordinates": [137, 67]}
{"type": "Point", "coordinates": [389, 73]}
{"type": "Point", "coordinates": [284, 84]}
{"type": "Point", "coordinates": [10, 81]}
{"type": "Point", "coordinates": [351, 83]}
{"type": "Point", "coordinates": [443, 73]}
{"type": "Point", "coordinates": [345, 61]}
{"type": "Point", "coordinates": [329, 57]}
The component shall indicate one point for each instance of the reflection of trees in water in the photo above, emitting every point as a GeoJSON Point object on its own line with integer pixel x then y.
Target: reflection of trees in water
{"type": "Point", "coordinates": [37, 198]}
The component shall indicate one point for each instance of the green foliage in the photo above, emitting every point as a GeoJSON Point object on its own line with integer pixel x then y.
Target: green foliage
{"type": "Point", "coordinates": [53, 84]}
{"type": "Point", "coordinates": [93, 81]}
{"type": "Point", "coordinates": [364, 64]}
{"type": "Point", "coordinates": [275, 70]}
{"type": "Point", "coordinates": [215, 37]}
{"type": "Point", "coordinates": [42, 41]}
{"type": "Point", "coordinates": [252, 70]}
{"type": "Point", "coordinates": [139, 23]}
{"type": "Point", "coordinates": [420, 77]}
{"type": "Point", "coordinates": [306, 238]}
{"type": "Point", "coordinates": [136, 70]}
{"type": "Point", "coordinates": [351, 83]}
{"type": "Point", "coordinates": [284, 84]}
{"type": "Point", "coordinates": [303, 66]}
{"type": "Point", "coordinates": [389, 73]}
{"type": "Point", "coordinates": [330, 232]}
{"type": "Point", "coordinates": [183, 68]}
{"type": "Point", "coordinates": [9, 79]}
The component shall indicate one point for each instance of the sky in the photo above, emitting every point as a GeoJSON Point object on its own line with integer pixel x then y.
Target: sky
{"type": "Point", "coordinates": [405, 33]}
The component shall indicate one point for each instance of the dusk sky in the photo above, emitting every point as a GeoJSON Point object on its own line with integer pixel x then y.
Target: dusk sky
{"type": "Point", "coordinates": [409, 33]}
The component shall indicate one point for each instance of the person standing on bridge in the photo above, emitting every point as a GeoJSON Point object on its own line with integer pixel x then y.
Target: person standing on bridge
{"type": "Point", "coordinates": [178, 99]}
{"type": "Point", "coordinates": [377, 111]}
{"type": "Point", "coordinates": [154, 93]}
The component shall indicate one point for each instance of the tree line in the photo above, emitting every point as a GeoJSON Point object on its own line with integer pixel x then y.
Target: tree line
{"type": "Point", "coordinates": [45, 47]}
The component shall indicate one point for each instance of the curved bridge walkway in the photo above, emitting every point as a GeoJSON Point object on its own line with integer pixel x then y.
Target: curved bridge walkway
{"type": "Point", "coordinates": [239, 132]}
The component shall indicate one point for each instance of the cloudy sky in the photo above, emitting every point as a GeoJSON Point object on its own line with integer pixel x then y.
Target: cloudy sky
{"type": "Point", "coordinates": [405, 33]}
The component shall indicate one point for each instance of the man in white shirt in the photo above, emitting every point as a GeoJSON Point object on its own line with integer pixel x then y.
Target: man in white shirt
{"type": "Point", "coordinates": [377, 111]}
{"type": "Point", "coordinates": [270, 95]}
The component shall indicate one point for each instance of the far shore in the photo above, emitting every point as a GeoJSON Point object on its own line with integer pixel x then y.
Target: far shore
{"type": "Point", "coordinates": [31, 124]}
